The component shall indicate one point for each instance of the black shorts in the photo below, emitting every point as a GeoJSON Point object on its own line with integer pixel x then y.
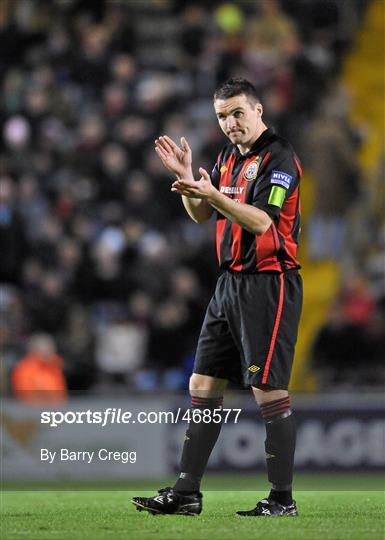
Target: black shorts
{"type": "Point", "coordinates": [250, 328]}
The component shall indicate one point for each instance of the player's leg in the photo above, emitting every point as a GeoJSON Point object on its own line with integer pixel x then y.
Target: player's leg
{"type": "Point", "coordinates": [206, 394]}
{"type": "Point", "coordinates": [280, 441]}
{"type": "Point", "coordinates": [212, 369]}
{"type": "Point", "coordinates": [268, 336]}
{"type": "Point", "coordinates": [184, 497]}
{"type": "Point", "coordinates": [216, 362]}
{"type": "Point", "coordinates": [280, 447]}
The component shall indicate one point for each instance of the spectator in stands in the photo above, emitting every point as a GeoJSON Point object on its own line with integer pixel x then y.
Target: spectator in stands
{"type": "Point", "coordinates": [270, 41]}
{"type": "Point", "coordinates": [120, 348]}
{"type": "Point", "coordinates": [331, 154]}
{"type": "Point", "coordinates": [47, 305]}
{"type": "Point", "coordinates": [38, 377]}
{"type": "Point", "coordinates": [12, 238]}
{"type": "Point", "coordinates": [168, 347]}
{"type": "Point", "coordinates": [345, 351]}
{"type": "Point", "coordinates": [12, 330]}
{"type": "Point", "coordinates": [77, 342]}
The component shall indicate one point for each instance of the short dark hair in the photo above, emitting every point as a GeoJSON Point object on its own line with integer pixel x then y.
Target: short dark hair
{"type": "Point", "coordinates": [236, 87]}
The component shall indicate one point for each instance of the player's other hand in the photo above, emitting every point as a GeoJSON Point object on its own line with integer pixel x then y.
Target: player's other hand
{"type": "Point", "coordinates": [176, 159]}
{"type": "Point", "coordinates": [202, 189]}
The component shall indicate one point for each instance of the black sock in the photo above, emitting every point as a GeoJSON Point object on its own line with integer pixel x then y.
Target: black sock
{"type": "Point", "coordinates": [199, 442]}
{"type": "Point", "coordinates": [280, 447]}
{"type": "Point", "coordinates": [282, 497]}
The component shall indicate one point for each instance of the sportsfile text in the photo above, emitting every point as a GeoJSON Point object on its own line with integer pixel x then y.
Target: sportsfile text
{"type": "Point", "coordinates": [114, 415]}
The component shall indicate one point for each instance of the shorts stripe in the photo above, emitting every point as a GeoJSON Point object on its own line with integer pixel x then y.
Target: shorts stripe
{"type": "Point", "coordinates": [275, 329]}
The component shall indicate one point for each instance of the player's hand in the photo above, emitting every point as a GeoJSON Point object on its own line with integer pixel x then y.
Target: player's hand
{"type": "Point", "coordinates": [202, 189]}
{"type": "Point", "coordinates": [176, 160]}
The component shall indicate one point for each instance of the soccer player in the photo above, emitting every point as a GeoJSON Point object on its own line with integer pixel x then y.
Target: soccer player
{"type": "Point", "coordinates": [251, 324]}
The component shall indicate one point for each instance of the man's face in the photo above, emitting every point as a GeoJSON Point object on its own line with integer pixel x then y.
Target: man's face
{"type": "Point", "coordinates": [240, 119]}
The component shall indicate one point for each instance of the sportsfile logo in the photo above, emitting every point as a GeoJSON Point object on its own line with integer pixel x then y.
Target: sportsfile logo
{"type": "Point", "coordinates": [281, 178]}
{"type": "Point", "coordinates": [114, 415]}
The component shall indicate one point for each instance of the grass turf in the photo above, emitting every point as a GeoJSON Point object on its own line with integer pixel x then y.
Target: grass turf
{"type": "Point", "coordinates": [99, 515]}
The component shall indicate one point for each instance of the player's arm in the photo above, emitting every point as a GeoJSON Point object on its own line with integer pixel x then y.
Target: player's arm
{"type": "Point", "coordinates": [252, 219]}
{"type": "Point", "coordinates": [277, 182]}
{"type": "Point", "coordinates": [198, 209]}
{"type": "Point", "coordinates": [179, 162]}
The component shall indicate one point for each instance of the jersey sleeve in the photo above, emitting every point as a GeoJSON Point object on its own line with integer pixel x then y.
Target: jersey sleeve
{"type": "Point", "coordinates": [278, 180]}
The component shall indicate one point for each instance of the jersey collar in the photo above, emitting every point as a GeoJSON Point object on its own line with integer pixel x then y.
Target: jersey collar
{"type": "Point", "coordinates": [259, 143]}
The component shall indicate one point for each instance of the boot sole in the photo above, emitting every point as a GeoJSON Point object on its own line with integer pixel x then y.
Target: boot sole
{"type": "Point", "coordinates": [140, 507]}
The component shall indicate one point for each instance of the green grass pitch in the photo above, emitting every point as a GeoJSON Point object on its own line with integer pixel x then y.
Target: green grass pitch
{"type": "Point", "coordinates": [98, 515]}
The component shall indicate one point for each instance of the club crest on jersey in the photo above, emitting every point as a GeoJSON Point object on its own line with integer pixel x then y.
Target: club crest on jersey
{"type": "Point", "coordinates": [251, 171]}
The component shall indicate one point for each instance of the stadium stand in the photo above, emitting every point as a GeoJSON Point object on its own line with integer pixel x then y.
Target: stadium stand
{"type": "Point", "coordinates": [100, 255]}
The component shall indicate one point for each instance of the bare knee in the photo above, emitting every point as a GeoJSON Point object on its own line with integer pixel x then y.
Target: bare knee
{"type": "Point", "coordinates": [265, 394]}
{"type": "Point", "coordinates": [205, 386]}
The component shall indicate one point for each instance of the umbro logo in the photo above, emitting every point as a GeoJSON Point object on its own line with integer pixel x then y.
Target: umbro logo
{"type": "Point", "coordinates": [253, 368]}
{"type": "Point", "coordinates": [160, 498]}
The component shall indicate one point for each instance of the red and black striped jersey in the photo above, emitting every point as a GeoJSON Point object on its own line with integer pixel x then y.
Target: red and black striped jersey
{"type": "Point", "coordinates": [267, 177]}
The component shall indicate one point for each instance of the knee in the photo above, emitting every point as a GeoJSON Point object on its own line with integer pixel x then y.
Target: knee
{"type": "Point", "coordinates": [196, 383]}
{"type": "Point", "coordinates": [205, 386]}
{"type": "Point", "coordinates": [264, 394]}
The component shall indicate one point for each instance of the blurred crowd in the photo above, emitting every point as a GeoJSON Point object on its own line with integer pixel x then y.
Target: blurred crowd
{"type": "Point", "coordinates": [349, 349]}
{"type": "Point", "coordinates": [105, 279]}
